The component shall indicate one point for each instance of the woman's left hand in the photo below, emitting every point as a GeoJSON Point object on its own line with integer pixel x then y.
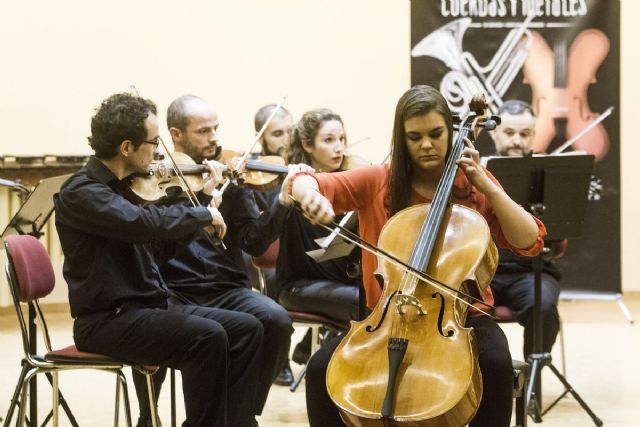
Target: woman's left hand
{"type": "Point", "coordinates": [475, 173]}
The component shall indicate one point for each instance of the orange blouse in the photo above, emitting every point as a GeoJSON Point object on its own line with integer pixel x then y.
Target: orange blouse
{"type": "Point", "coordinates": [364, 189]}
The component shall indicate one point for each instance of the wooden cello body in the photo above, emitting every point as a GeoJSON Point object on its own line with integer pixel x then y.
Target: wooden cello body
{"type": "Point", "coordinates": [412, 362]}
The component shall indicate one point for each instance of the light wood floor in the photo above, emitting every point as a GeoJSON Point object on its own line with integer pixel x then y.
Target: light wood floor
{"type": "Point", "coordinates": [602, 351]}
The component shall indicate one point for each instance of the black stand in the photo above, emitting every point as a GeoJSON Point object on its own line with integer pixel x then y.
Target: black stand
{"type": "Point", "coordinates": [335, 246]}
{"type": "Point", "coordinates": [554, 189]}
{"type": "Point", "coordinates": [31, 218]}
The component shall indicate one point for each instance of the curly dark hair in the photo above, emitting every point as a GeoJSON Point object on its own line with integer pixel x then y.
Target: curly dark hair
{"type": "Point", "coordinates": [305, 132]}
{"type": "Point", "coordinates": [120, 117]}
{"type": "Point", "coordinates": [416, 101]}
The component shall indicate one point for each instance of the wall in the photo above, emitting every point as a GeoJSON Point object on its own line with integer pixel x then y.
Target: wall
{"type": "Point", "coordinates": [60, 59]}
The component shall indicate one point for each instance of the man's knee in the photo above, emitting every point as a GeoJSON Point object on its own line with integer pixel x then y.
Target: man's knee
{"type": "Point", "coordinates": [275, 319]}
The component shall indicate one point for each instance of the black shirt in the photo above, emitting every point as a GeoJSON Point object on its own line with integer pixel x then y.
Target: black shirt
{"type": "Point", "coordinates": [511, 263]}
{"type": "Point", "coordinates": [107, 239]}
{"type": "Point", "coordinates": [200, 272]}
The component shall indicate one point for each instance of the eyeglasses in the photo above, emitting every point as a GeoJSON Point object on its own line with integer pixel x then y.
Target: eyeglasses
{"type": "Point", "coordinates": [155, 141]}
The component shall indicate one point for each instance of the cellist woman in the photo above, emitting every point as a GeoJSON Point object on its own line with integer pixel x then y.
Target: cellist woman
{"type": "Point", "coordinates": [422, 137]}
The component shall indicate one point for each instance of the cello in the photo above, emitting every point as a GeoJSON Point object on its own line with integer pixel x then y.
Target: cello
{"type": "Point", "coordinates": [411, 362]}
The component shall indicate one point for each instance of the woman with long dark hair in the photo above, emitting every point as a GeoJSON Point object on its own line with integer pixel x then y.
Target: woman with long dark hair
{"type": "Point", "coordinates": [422, 137]}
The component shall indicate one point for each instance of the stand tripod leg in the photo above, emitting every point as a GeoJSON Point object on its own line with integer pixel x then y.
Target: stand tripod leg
{"type": "Point", "coordinates": [570, 389]}
{"type": "Point", "coordinates": [624, 309]}
{"type": "Point", "coordinates": [531, 399]}
{"type": "Point", "coordinates": [15, 400]}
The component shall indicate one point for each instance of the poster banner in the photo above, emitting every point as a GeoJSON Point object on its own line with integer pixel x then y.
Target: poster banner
{"type": "Point", "coordinates": [563, 58]}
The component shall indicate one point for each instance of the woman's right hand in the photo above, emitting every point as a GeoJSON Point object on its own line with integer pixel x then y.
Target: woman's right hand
{"type": "Point", "coordinates": [301, 187]}
{"type": "Point", "coordinates": [316, 207]}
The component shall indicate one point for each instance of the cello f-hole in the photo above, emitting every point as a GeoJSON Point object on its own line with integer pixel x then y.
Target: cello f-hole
{"type": "Point", "coordinates": [450, 332]}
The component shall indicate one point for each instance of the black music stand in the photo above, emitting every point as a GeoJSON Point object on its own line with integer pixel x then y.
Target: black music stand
{"type": "Point", "coordinates": [335, 246]}
{"type": "Point", "coordinates": [554, 189]}
{"type": "Point", "coordinates": [31, 219]}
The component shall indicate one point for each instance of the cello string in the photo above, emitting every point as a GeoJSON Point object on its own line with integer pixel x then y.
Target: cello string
{"type": "Point", "coordinates": [363, 244]}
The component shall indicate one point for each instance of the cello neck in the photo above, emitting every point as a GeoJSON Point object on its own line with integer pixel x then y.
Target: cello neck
{"type": "Point", "coordinates": [429, 232]}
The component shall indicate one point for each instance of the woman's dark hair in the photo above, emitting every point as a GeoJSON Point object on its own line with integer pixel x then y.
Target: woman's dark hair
{"type": "Point", "coordinates": [417, 101]}
{"type": "Point", "coordinates": [305, 132]}
{"type": "Point", "coordinates": [120, 117]}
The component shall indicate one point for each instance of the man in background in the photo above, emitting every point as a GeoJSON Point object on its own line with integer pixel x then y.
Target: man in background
{"type": "Point", "coordinates": [513, 283]}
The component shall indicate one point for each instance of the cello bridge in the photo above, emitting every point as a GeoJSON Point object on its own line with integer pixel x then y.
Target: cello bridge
{"type": "Point", "coordinates": [409, 300]}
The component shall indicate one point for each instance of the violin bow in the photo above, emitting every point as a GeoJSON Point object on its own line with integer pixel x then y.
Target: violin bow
{"type": "Point", "coordinates": [243, 160]}
{"type": "Point", "coordinates": [420, 275]}
{"type": "Point", "coordinates": [324, 244]}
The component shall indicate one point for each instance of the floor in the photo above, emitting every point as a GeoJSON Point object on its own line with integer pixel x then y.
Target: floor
{"type": "Point", "coordinates": [602, 349]}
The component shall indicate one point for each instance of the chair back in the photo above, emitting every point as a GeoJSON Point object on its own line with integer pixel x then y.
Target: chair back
{"type": "Point", "coordinates": [29, 260]}
{"type": "Point", "coordinates": [30, 276]}
{"type": "Point", "coordinates": [269, 258]}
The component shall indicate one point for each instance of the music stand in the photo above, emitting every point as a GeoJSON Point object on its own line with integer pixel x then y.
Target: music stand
{"type": "Point", "coordinates": [335, 246]}
{"type": "Point", "coordinates": [36, 209]}
{"type": "Point", "coordinates": [31, 219]}
{"type": "Point", "coordinates": [554, 189]}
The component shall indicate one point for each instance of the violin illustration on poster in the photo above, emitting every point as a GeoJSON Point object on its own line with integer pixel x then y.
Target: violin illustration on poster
{"type": "Point", "coordinates": [560, 80]}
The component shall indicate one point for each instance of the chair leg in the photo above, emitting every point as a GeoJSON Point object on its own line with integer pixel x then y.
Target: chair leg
{"type": "Point", "coordinates": [172, 374]}
{"type": "Point", "coordinates": [56, 400]}
{"type": "Point", "coordinates": [315, 331]}
{"type": "Point", "coordinates": [22, 408]}
{"type": "Point", "coordinates": [152, 400]}
{"type": "Point", "coordinates": [122, 382]}
{"type": "Point", "coordinates": [520, 380]}
{"type": "Point", "coordinates": [116, 411]}
{"type": "Point", "coordinates": [562, 352]}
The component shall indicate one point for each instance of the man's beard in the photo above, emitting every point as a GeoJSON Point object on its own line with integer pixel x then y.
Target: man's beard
{"type": "Point", "coordinates": [196, 155]}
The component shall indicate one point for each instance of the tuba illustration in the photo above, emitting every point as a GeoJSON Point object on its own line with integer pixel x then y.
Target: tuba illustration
{"type": "Point", "coordinates": [466, 77]}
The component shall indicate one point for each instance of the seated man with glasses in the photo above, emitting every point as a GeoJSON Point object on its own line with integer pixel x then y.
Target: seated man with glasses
{"type": "Point", "coordinates": [118, 297]}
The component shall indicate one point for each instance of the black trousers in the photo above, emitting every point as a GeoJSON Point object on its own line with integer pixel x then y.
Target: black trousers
{"type": "Point", "coordinates": [335, 300]}
{"type": "Point", "coordinates": [271, 355]}
{"type": "Point", "coordinates": [516, 291]}
{"type": "Point", "coordinates": [215, 350]}
{"type": "Point", "coordinates": [495, 365]}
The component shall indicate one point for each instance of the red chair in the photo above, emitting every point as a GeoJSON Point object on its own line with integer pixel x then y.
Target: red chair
{"type": "Point", "coordinates": [30, 276]}
{"type": "Point", "coordinates": [313, 321]}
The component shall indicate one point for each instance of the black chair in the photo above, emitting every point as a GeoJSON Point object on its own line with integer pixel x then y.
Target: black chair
{"type": "Point", "coordinates": [322, 327]}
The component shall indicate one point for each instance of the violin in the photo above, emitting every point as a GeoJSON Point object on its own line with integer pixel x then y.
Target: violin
{"type": "Point", "coordinates": [412, 362]}
{"type": "Point", "coordinates": [261, 173]}
{"type": "Point", "coordinates": [559, 83]}
{"type": "Point", "coordinates": [352, 161]}
{"type": "Point", "coordinates": [161, 181]}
